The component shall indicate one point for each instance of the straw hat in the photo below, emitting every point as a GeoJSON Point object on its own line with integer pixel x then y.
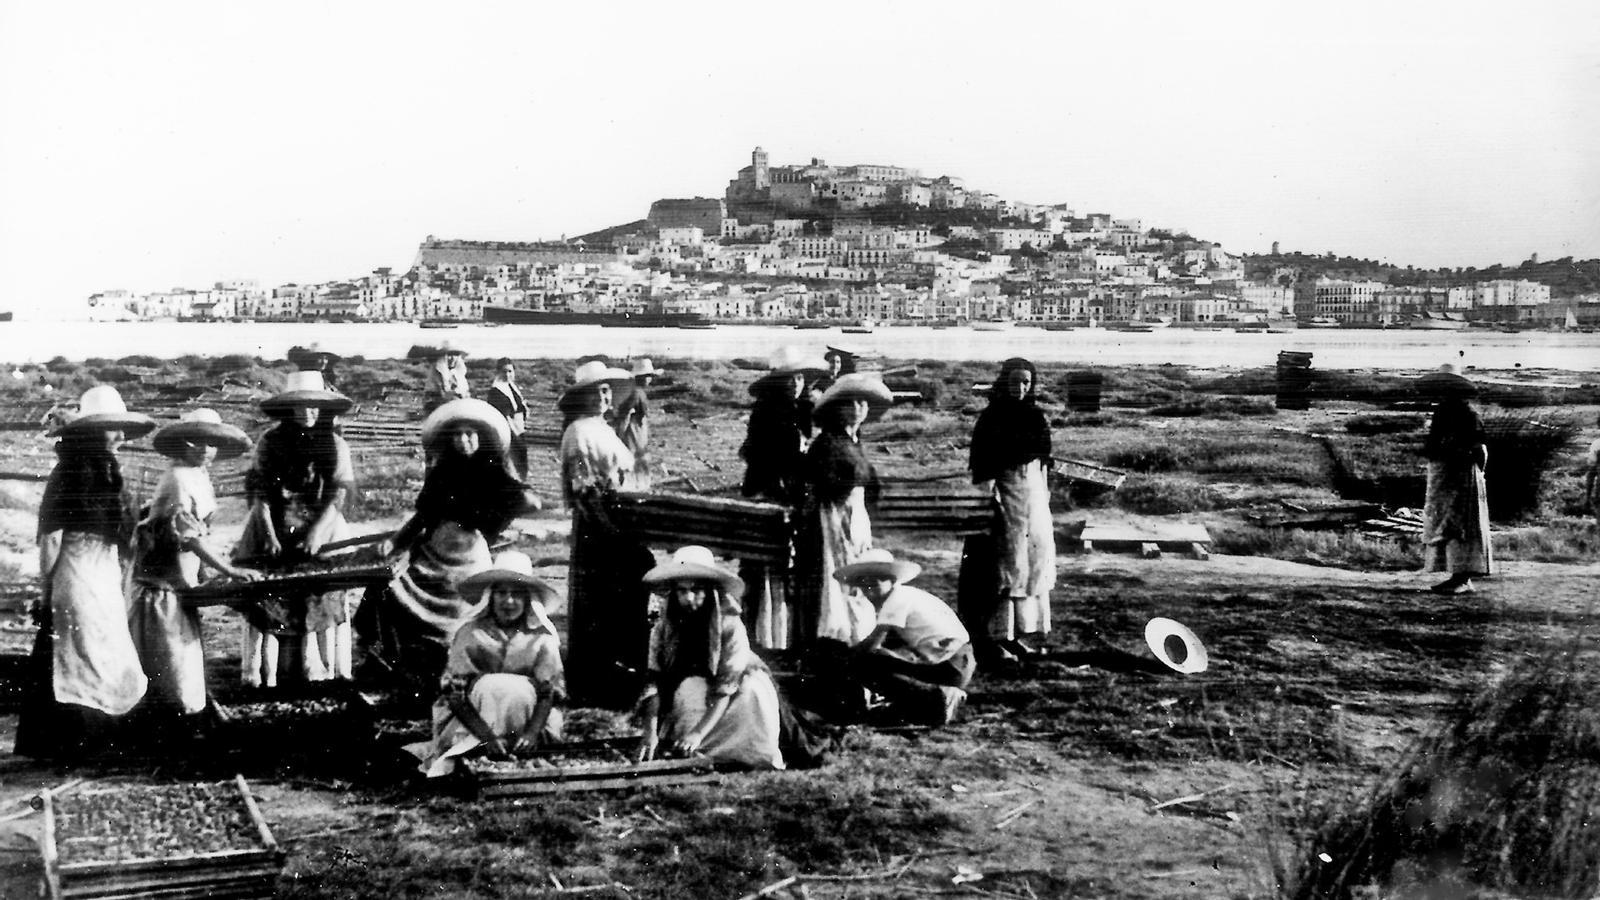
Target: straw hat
{"type": "Point", "coordinates": [493, 432]}
{"type": "Point", "coordinates": [1446, 382]}
{"type": "Point", "coordinates": [694, 563]}
{"type": "Point", "coordinates": [201, 426]}
{"type": "Point", "coordinates": [311, 357]}
{"type": "Point", "coordinates": [101, 409]}
{"type": "Point", "coordinates": [644, 366]}
{"type": "Point", "coordinates": [784, 363]}
{"type": "Point", "coordinates": [446, 348]}
{"type": "Point", "coordinates": [1159, 630]}
{"type": "Point", "coordinates": [595, 372]}
{"type": "Point", "coordinates": [305, 389]}
{"type": "Point", "coordinates": [858, 386]}
{"type": "Point", "coordinates": [878, 563]}
{"type": "Point", "coordinates": [843, 354]}
{"type": "Point", "coordinates": [509, 567]}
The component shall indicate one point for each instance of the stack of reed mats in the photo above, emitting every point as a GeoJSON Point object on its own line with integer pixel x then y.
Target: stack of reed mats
{"type": "Point", "coordinates": [737, 528]}
{"type": "Point", "coordinates": [592, 766]}
{"type": "Point", "coordinates": [170, 841]}
{"type": "Point", "coordinates": [932, 507]}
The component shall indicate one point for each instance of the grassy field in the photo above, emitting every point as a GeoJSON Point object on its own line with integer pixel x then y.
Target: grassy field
{"type": "Point", "coordinates": [1092, 774]}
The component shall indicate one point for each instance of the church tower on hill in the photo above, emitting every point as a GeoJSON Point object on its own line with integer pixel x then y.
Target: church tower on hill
{"type": "Point", "coordinates": [758, 163]}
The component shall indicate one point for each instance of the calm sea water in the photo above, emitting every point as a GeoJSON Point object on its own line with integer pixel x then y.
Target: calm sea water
{"type": "Point", "coordinates": [1332, 348]}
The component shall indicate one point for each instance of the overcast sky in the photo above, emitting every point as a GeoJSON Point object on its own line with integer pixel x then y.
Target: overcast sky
{"type": "Point", "coordinates": [158, 144]}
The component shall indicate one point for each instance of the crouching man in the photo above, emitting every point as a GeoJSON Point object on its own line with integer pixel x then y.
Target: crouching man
{"type": "Point", "coordinates": [918, 658]}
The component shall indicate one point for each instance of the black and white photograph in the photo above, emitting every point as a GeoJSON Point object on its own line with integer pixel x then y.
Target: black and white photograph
{"type": "Point", "coordinates": [733, 451]}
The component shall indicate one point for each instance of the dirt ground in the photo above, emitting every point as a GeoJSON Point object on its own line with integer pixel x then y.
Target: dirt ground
{"type": "Point", "coordinates": [1093, 773]}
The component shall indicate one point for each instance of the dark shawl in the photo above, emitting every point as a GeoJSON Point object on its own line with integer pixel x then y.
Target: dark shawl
{"type": "Point", "coordinates": [85, 491]}
{"type": "Point", "coordinates": [296, 463]}
{"type": "Point", "coordinates": [835, 465]}
{"type": "Point", "coordinates": [1455, 432]}
{"type": "Point", "coordinates": [774, 462]}
{"type": "Point", "coordinates": [476, 493]}
{"type": "Point", "coordinates": [1009, 432]}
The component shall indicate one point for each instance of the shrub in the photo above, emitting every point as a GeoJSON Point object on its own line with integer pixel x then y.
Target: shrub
{"type": "Point", "coordinates": [1149, 458]}
{"type": "Point", "coordinates": [61, 365]}
{"type": "Point", "coordinates": [1522, 450]}
{"type": "Point", "coordinates": [1215, 407]}
{"type": "Point", "coordinates": [231, 362]}
{"type": "Point", "coordinates": [142, 361]}
{"type": "Point", "coordinates": [1165, 496]}
{"type": "Point", "coordinates": [1380, 423]}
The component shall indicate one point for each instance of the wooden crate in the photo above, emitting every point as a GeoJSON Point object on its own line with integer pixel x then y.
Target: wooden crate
{"type": "Point", "coordinates": [593, 766]}
{"type": "Point", "coordinates": [78, 865]}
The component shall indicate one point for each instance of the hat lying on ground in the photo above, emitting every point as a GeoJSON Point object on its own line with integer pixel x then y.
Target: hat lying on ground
{"type": "Point", "coordinates": [858, 386]}
{"type": "Point", "coordinates": [305, 389]}
{"type": "Point", "coordinates": [878, 563]}
{"type": "Point", "coordinates": [1158, 631]}
{"type": "Point", "coordinates": [694, 563]}
{"type": "Point", "coordinates": [201, 426]}
{"type": "Point", "coordinates": [493, 432]}
{"type": "Point", "coordinates": [101, 409]}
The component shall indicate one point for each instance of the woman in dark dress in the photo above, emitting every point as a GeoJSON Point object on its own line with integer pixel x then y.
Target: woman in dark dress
{"type": "Point", "coordinates": [1455, 513]}
{"type": "Point", "coordinates": [84, 671]}
{"type": "Point", "coordinates": [468, 497]}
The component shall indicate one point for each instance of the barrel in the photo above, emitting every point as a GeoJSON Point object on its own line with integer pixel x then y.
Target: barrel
{"type": "Point", "coordinates": [1083, 391]}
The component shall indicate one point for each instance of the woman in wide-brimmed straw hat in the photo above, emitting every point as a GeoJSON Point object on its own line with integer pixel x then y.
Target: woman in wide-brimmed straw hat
{"type": "Point", "coordinates": [774, 454]}
{"type": "Point", "coordinates": [298, 482]}
{"type": "Point", "coordinates": [632, 421]}
{"type": "Point", "coordinates": [170, 547]}
{"type": "Point", "coordinates": [504, 675]}
{"type": "Point", "coordinates": [707, 693]}
{"type": "Point", "coordinates": [1010, 450]}
{"type": "Point", "coordinates": [1455, 513]}
{"type": "Point", "coordinates": [604, 600]}
{"type": "Point", "coordinates": [834, 527]}
{"type": "Point", "coordinates": [315, 359]}
{"type": "Point", "coordinates": [468, 498]}
{"type": "Point", "coordinates": [447, 378]}
{"type": "Point", "coordinates": [85, 668]}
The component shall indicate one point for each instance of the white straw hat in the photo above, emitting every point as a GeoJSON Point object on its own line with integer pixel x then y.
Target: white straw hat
{"type": "Point", "coordinates": [201, 426]}
{"type": "Point", "coordinates": [305, 389]}
{"type": "Point", "coordinates": [878, 563]}
{"type": "Point", "coordinates": [694, 563]}
{"type": "Point", "coordinates": [101, 409]}
{"type": "Point", "coordinates": [1159, 630]}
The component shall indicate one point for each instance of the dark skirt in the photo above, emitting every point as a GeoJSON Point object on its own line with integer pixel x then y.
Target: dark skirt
{"type": "Point", "coordinates": [48, 729]}
{"type": "Point", "coordinates": [608, 611]}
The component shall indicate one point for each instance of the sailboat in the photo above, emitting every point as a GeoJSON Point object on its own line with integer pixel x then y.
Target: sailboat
{"type": "Point", "coordinates": [1572, 321]}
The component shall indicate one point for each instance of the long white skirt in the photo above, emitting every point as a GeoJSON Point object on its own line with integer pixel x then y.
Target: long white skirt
{"type": "Point", "coordinates": [505, 702]}
{"type": "Point", "coordinates": [846, 534]}
{"type": "Point", "coordinates": [1027, 552]}
{"type": "Point", "coordinates": [168, 639]}
{"type": "Point", "coordinates": [746, 734]}
{"type": "Point", "coordinates": [96, 664]}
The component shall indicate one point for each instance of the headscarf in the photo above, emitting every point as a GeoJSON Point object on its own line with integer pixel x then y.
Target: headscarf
{"type": "Point", "coordinates": [687, 643]}
{"type": "Point", "coordinates": [85, 491]}
{"type": "Point", "coordinates": [1009, 432]}
{"type": "Point", "coordinates": [1455, 432]}
{"type": "Point", "coordinates": [772, 453]}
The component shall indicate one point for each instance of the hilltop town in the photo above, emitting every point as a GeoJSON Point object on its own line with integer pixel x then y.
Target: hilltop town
{"type": "Point", "coordinates": [878, 244]}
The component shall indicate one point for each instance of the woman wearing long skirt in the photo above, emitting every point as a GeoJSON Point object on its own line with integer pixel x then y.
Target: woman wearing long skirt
{"type": "Point", "coordinates": [170, 546]}
{"type": "Point", "coordinates": [1010, 449]}
{"type": "Point", "coordinates": [468, 497]}
{"type": "Point", "coordinates": [607, 609]}
{"type": "Point", "coordinates": [632, 423]}
{"type": "Point", "coordinates": [297, 484]}
{"type": "Point", "coordinates": [774, 453]}
{"type": "Point", "coordinates": [835, 529]}
{"type": "Point", "coordinates": [504, 675]}
{"type": "Point", "coordinates": [708, 694]}
{"type": "Point", "coordinates": [84, 671]}
{"type": "Point", "coordinates": [1455, 513]}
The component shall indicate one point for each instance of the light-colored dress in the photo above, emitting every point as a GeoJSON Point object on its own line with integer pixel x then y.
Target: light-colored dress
{"type": "Point", "coordinates": [509, 670]}
{"type": "Point", "coordinates": [633, 428]}
{"type": "Point", "coordinates": [846, 534]}
{"type": "Point", "coordinates": [96, 664]}
{"type": "Point", "coordinates": [1455, 530]}
{"type": "Point", "coordinates": [747, 733]}
{"type": "Point", "coordinates": [1026, 548]}
{"type": "Point", "coordinates": [166, 634]}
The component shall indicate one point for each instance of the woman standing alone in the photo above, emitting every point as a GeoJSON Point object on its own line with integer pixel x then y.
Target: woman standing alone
{"type": "Point", "coordinates": [84, 669]}
{"type": "Point", "coordinates": [1455, 531]}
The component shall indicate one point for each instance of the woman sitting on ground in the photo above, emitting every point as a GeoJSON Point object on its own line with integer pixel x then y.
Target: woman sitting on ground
{"type": "Point", "coordinates": [171, 546]}
{"type": "Point", "coordinates": [504, 676]}
{"type": "Point", "coordinates": [1455, 531]}
{"type": "Point", "coordinates": [468, 497]}
{"type": "Point", "coordinates": [708, 693]}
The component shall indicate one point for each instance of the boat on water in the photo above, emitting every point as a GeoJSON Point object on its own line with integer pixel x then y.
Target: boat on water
{"type": "Point", "coordinates": [511, 315]}
{"type": "Point", "coordinates": [1132, 327]}
{"type": "Point", "coordinates": [1571, 323]}
{"type": "Point", "coordinates": [1057, 326]}
{"type": "Point", "coordinates": [689, 326]}
{"type": "Point", "coordinates": [1256, 327]}
{"type": "Point", "coordinates": [812, 326]}
{"type": "Point", "coordinates": [1320, 322]}
{"type": "Point", "coordinates": [992, 325]}
{"type": "Point", "coordinates": [1437, 322]}
{"type": "Point", "coordinates": [5, 316]}
{"type": "Point", "coordinates": [438, 323]}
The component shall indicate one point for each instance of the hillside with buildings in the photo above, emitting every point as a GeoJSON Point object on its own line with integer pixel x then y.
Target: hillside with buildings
{"type": "Point", "coordinates": [887, 243]}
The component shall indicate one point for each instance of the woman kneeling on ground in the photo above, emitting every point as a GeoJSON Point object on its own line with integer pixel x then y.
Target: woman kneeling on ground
{"type": "Point", "coordinates": [504, 675]}
{"type": "Point", "coordinates": [707, 693]}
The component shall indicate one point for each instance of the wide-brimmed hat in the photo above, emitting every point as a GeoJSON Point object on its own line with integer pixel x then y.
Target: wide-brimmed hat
{"type": "Point", "coordinates": [878, 563]}
{"type": "Point", "coordinates": [858, 386]}
{"type": "Point", "coordinates": [305, 389]}
{"type": "Point", "coordinates": [201, 426]}
{"type": "Point", "coordinates": [493, 432]}
{"type": "Point", "coordinates": [101, 409]}
{"type": "Point", "coordinates": [643, 366]}
{"type": "Point", "coordinates": [1446, 382]}
{"type": "Point", "coordinates": [595, 372]}
{"type": "Point", "coordinates": [1159, 630]}
{"type": "Point", "coordinates": [843, 354]}
{"type": "Point", "coordinates": [781, 366]}
{"type": "Point", "coordinates": [509, 567]}
{"type": "Point", "coordinates": [446, 348]}
{"type": "Point", "coordinates": [694, 563]}
{"type": "Point", "coordinates": [311, 357]}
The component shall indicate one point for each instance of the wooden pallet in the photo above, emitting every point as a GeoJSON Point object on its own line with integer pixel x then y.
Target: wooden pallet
{"type": "Point", "coordinates": [609, 770]}
{"type": "Point", "coordinates": [1148, 539]}
{"type": "Point", "coordinates": [1088, 473]}
{"type": "Point", "coordinates": [231, 873]}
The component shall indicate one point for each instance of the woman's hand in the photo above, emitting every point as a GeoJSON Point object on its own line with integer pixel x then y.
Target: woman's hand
{"type": "Point", "coordinates": [528, 741]}
{"type": "Point", "coordinates": [647, 747]}
{"type": "Point", "coordinates": [496, 749]}
{"type": "Point", "coordinates": [243, 574]}
{"type": "Point", "coordinates": [689, 744]}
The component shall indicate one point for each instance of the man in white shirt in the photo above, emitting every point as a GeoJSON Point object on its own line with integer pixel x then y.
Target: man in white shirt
{"type": "Point", "coordinates": [919, 656]}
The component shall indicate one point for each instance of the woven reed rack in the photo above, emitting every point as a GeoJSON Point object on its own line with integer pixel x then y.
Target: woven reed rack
{"type": "Point", "coordinates": [592, 768]}
{"type": "Point", "coordinates": [956, 509]}
{"type": "Point", "coordinates": [736, 528]}
{"type": "Point", "coordinates": [310, 581]}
